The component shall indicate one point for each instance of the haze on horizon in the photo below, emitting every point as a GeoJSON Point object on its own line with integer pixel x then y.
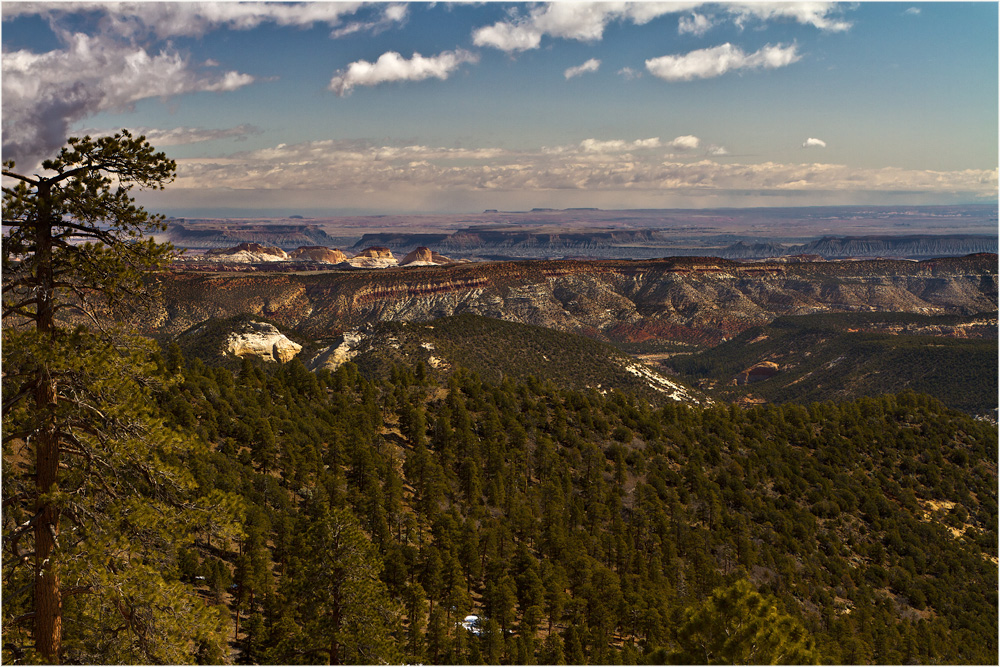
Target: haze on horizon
{"type": "Point", "coordinates": [354, 108]}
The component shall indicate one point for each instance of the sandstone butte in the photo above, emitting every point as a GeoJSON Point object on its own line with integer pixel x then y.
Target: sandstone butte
{"type": "Point", "coordinates": [424, 256]}
{"type": "Point", "coordinates": [376, 257]}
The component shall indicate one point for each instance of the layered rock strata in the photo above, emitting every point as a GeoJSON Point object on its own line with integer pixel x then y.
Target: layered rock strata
{"type": "Point", "coordinates": [704, 300]}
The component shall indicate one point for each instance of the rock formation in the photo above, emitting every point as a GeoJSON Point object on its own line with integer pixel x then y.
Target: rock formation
{"type": "Point", "coordinates": [335, 356]}
{"type": "Point", "coordinates": [375, 257]}
{"type": "Point", "coordinates": [699, 300]}
{"type": "Point", "coordinates": [259, 339]}
{"type": "Point", "coordinates": [245, 253]}
{"type": "Point", "coordinates": [318, 253]}
{"type": "Point", "coordinates": [424, 256]}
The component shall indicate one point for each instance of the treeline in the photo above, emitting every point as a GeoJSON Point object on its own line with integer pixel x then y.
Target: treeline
{"type": "Point", "coordinates": [583, 528]}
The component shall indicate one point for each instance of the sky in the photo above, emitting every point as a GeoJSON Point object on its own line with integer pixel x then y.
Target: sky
{"type": "Point", "coordinates": [317, 109]}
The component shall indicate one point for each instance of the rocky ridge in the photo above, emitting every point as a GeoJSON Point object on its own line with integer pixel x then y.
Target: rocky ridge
{"type": "Point", "coordinates": [701, 300]}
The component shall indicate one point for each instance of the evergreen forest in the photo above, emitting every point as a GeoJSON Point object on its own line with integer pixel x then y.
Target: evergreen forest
{"type": "Point", "coordinates": [374, 516]}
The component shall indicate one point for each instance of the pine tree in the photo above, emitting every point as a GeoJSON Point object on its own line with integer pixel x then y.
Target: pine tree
{"type": "Point", "coordinates": [343, 609]}
{"type": "Point", "coordinates": [103, 500]}
{"type": "Point", "coordinates": [736, 625]}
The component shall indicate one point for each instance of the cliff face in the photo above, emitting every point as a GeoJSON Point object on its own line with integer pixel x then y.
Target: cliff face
{"type": "Point", "coordinates": [692, 299]}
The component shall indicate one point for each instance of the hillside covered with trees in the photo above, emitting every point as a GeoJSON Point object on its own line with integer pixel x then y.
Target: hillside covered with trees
{"type": "Point", "coordinates": [581, 528]}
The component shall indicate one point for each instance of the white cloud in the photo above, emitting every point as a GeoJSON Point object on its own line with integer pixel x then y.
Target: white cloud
{"type": "Point", "coordinates": [812, 142]}
{"type": "Point", "coordinates": [821, 15]}
{"type": "Point", "coordinates": [913, 11]}
{"type": "Point", "coordinates": [618, 145]}
{"type": "Point", "coordinates": [586, 21]}
{"type": "Point", "coordinates": [716, 61]}
{"type": "Point", "coordinates": [44, 93]}
{"type": "Point", "coordinates": [391, 16]}
{"type": "Point", "coordinates": [391, 66]}
{"type": "Point", "coordinates": [629, 73]}
{"type": "Point", "coordinates": [696, 24]}
{"type": "Point", "coordinates": [685, 143]}
{"type": "Point", "coordinates": [581, 21]}
{"type": "Point", "coordinates": [717, 150]}
{"type": "Point", "coordinates": [591, 65]}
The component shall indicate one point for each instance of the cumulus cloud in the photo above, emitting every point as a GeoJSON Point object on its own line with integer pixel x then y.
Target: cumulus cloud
{"type": "Point", "coordinates": [586, 21]}
{"type": "Point", "coordinates": [591, 65]}
{"type": "Point", "coordinates": [717, 150]}
{"type": "Point", "coordinates": [696, 24]}
{"type": "Point", "coordinates": [685, 143]}
{"type": "Point", "coordinates": [628, 73]}
{"type": "Point", "coordinates": [43, 94]}
{"type": "Point", "coordinates": [391, 66]}
{"type": "Point", "coordinates": [716, 61]}
{"type": "Point", "coordinates": [172, 19]}
{"type": "Point", "coordinates": [812, 142]}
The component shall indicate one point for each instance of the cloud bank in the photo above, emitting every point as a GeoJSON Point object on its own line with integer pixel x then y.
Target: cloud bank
{"type": "Point", "coordinates": [391, 66]}
{"type": "Point", "coordinates": [623, 166]}
{"type": "Point", "coordinates": [716, 61]}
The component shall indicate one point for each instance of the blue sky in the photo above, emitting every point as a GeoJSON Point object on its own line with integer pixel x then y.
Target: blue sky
{"type": "Point", "coordinates": [325, 108]}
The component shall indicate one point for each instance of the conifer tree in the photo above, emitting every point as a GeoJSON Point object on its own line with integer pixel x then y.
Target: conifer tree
{"type": "Point", "coordinates": [342, 608]}
{"type": "Point", "coordinates": [98, 500]}
{"type": "Point", "coordinates": [736, 625]}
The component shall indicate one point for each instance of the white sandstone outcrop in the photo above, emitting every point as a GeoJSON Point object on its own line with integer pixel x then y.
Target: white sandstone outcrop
{"type": "Point", "coordinates": [263, 340]}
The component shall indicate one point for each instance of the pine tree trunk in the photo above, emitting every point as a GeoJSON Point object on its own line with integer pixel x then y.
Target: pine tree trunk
{"type": "Point", "coordinates": [48, 599]}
